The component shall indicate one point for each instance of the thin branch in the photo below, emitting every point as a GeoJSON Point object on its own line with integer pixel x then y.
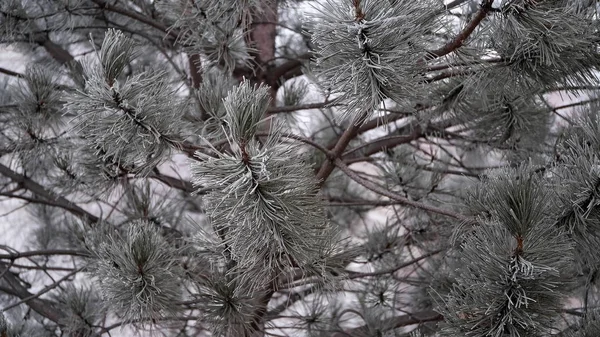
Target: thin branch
{"type": "Point", "coordinates": [575, 104]}
{"type": "Point", "coordinates": [572, 88]}
{"type": "Point", "coordinates": [443, 66]}
{"type": "Point", "coordinates": [43, 307]}
{"type": "Point", "coordinates": [47, 252]}
{"type": "Point", "coordinates": [389, 142]}
{"type": "Point", "coordinates": [338, 149]}
{"type": "Point", "coordinates": [449, 74]}
{"type": "Point", "coordinates": [291, 300]}
{"type": "Point", "coordinates": [377, 189]}
{"type": "Point", "coordinates": [351, 203]}
{"type": "Point", "coordinates": [460, 39]}
{"type": "Point", "coordinates": [56, 51]}
{"type": "Point", "coordinates": [395, 322]}
{"type": "Point", "coordinates": [301, 139]}
{"type": "Point", "coordinates": [179, 184]}
{"type": "Point", "coordinates": [292, 108]}
{"type": "Point", "coordinates": [105, 330]}
{"type": "Point", "coordinates": [285, 70]}
{"type": "Point", "coordinates": [139, 17]}
{"type": "Point", "coordinates": [43, 291]}
{"type": "Point", "coordinates": [40, 190]}
{"type": "Point", "coordinates": [390, 118]}
{"type": "Point", "coordinates": [396, 268]}
{"type": "Point", "coordinates": [44, 267]}
{"type": "Point", "coordinates": [455, 4]}
{"type": "Point", "coordinates": [383, 143]}
{"type": "Point", "coordinates": [10, 72]}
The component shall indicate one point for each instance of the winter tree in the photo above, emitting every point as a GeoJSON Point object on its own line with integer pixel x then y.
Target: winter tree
{"type": "Point", "coordinates": [339, 168]}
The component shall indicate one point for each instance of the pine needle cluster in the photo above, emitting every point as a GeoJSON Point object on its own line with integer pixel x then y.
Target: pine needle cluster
{"type": "Point", "coordinates": [263, 188]}
{"type": "Point", "coordinates": [136, 273]}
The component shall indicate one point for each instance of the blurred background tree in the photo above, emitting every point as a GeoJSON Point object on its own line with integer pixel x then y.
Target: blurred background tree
{"type": "Point", "coordinates": [307, 168]}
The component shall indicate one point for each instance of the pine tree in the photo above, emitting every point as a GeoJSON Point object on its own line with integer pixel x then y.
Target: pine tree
{"type": "Point", "coordinates": [336, 168]}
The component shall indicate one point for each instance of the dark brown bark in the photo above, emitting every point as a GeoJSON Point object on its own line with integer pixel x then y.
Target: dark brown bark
{"type": "Point", "coordinates": [195, 70]}
{"type": "Point", "coordinates": [263, 31]}
{"type": "Point", "coordinates": [261, 37]}
{"type": "Point", "coordinates": [337, 151]}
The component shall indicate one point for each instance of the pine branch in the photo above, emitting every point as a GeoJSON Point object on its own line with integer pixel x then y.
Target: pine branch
{"type": "Point", "coordinates": [389, 142]}
{"type": "Point", "coordinates": [391, 271]}
{"type": "Point", "coordinates": [459, 40]}
{"type": "Point", "coordinates": [335, 202]}
{"type": "Point", "coordinates": [46, 289]}
{"type": "Point", "coordinates": [383, 143]}
{"type": "Point", "coordinates": [43, 192]}
{"type": "Point", "coordinates": [107, 329]}
{"type": "Point", "coordinates": [454, 4]}
{"type": "Point", "coordinates": [294, 108]}
{"type": "Point", "coordinates": [265, 218]}
{"type": "Point", "coordinates": [179, 184]}
{"type": "Point", "coordinates": [103, 4]}
{"type": "Point", "coordinates": [285, 71]}
{"type": "Point", "coordinates": [300, 139]}
{"type": "Point", "coordinates": [57, 52]}
{"type": "Point", "coordinates": [338, 149]}
{"type": "Point", "coordinates": [292, 299]}
{"type": "Point", "coordinates": [10, 72]}
{"type": "Point", "coordinates": [13, 255]}
{"type": "Point", "coordinates": [195, 70]}
{"type": "Point", "coordinates": [43, 307]}
{"type": "Point", "coordinates": [365, 183]}
{"type": "Point", "coordinates": [390, 118]}
{"type": "Point", "coordinates": [396, 322]}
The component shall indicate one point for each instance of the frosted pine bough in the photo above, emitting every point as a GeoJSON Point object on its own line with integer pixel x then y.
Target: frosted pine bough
{"type": "Point", "coordinates": [265, 189]}
{"type": "Point", "coordinates": [369, 53]}
{"type": "Point", "coordinates": [269, 234]}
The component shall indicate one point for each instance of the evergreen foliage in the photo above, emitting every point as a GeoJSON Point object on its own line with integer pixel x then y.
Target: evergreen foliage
{"type": "Point", "coordinates": [336, 168]}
